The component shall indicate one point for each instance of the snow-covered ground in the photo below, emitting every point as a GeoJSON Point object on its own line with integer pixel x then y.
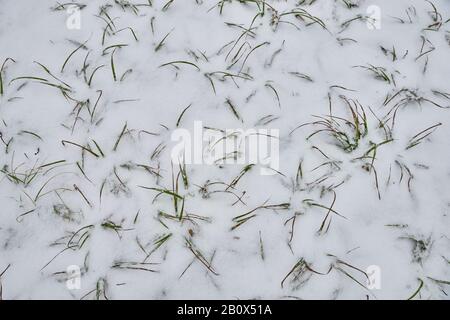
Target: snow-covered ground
{"type": "Point", "coordinates": [92, 91]}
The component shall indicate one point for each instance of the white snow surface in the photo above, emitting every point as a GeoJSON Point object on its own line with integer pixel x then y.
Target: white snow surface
{"type": "Point", "coordinates": [63, 205]}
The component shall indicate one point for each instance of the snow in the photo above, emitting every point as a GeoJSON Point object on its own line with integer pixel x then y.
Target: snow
{"type": "Point", "coordinates": [393, 215]}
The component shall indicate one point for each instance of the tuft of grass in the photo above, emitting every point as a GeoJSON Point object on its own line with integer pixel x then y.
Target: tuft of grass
{"type": "Point", "coordinates": [139, 266]}
{"type": "Point", "coordinates": [233, 109]}
{"type": "Point", "coordinates": [301, 76]}
{"type": "Point", "coordinates": [200, 257]}
{"type": "Point", "coordinates": [158, 243]}
{"type": "Point", "coordinates": [83, 45]}
{"type": "Point", "coordinates": [379, 73]}
{"type": "Point", "coordinates": [124, 129]}
{"type": "Point", "coordinates": [182, 113]}
{"type": "Point", "coordinates": [44, 81]}
{"type": "Point", "coordinates": [302, 14]}
{"type": "Point", "coordinates": [160, 191]}
{"type": "Point", "coordinates": [113, 68]}
{"type": "Point", "coordinates": [88, 149]}
{"type": "Point", "coordinates": [101, 289]}
{"type": "Point", "coordinates": [161, 43]}
{"type": "Point", "coordinates": [270, 86]}
{"type": "Point", "coordinates": [1, 71]}
{"type": "Point", "coordinates": [261, 247]}
{"type": "Point", "coordinates": [1, 275]}
{"type": "Point", "coordinates": [243, 218]}
{"type": "Point", "coordinates": [131, 30]}
{"type": "Point", "coordinates": [234, 182]}
{"type": "Point", "coordinates": [167, 5]}
{"type": "Point", "coordinates": [346, 132]}
{"type": "Point", "coordinates": [418, 138]}
{"type": "Point", "coordinates": [93, 73]}
{"type": "Point", "coordinates": [175, 63]}
{"type": "Point", "coordinates": [417, 290]}
{"type": "Point", "coordinates": [301, 272]}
